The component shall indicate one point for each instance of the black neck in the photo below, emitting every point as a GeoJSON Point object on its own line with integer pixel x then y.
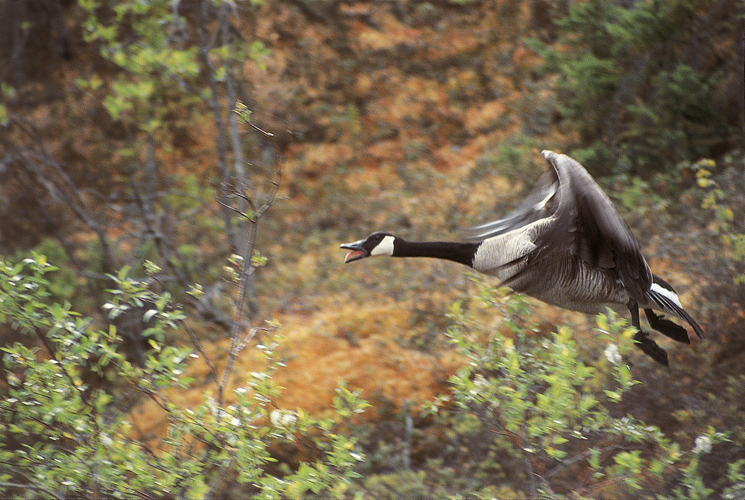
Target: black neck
{"type": "Point", "coordinates": [448, 250]}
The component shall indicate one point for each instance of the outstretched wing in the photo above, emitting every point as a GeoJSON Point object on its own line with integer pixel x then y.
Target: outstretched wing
{"type": "Point", "coordinates": [539, 204]}
{"type": "Point", "coordinates": [578, 218]}
{"type": "Point", "coordinates": [599, 236]}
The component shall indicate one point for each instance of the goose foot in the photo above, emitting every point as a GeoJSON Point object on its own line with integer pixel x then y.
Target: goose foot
{"type": "Point", "coordinates": [651, 348]}
{"type": "Point", "coordinates": [667, 327]}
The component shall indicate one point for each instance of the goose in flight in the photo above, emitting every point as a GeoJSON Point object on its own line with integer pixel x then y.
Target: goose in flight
{"type": "Point", "coordinates": [564, 245]}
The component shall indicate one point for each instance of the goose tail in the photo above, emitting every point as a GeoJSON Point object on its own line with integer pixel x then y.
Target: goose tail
{"type": "Point", "coordinates": [664, 298]}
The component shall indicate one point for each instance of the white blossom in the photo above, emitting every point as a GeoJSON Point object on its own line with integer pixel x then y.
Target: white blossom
{"type": "Point", "coordinates": [106, 440]}
{"type": "Point", "coordinates": [283, 418]}
{"type": "Point", "coordinates": [703, 444]}
{"type": "Point", "coordinates": [612, 354]}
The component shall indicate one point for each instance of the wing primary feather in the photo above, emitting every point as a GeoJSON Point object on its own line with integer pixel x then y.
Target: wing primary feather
{"type": "Point", "coordinates": [537, 205]}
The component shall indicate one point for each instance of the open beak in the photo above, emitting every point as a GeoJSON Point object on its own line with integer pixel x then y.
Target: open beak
{"type": "Point", "coordinates": [356, 251]}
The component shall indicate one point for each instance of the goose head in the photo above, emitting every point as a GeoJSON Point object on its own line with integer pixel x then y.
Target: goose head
{"type": "Point", "coordinates": [376, 244]}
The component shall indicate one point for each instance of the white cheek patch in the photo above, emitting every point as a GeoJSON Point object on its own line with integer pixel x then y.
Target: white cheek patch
{"type": "Point", "coordinates": [385, 247]}
{"type": "Point", "coordinates": [669, 294]}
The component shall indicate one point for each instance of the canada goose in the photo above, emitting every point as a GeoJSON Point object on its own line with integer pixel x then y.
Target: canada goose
{"type": "Point", "coordinates": [565, 245]}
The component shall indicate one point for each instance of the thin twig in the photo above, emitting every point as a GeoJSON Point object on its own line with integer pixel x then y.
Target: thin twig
{"type": "Point", "coordinates": [268, 134]}
{"type": "Point", "coordinates": [31, 487]}
{"type": "Point", "coordinates": [247, 270]}
{"type": "Point", "coordinates": [248, 338]}
{"type": "Point", "coordinates": [200, 349]}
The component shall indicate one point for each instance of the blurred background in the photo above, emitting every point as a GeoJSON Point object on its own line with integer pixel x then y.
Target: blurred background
{"type": "Point", "coordinates": [118, 137]}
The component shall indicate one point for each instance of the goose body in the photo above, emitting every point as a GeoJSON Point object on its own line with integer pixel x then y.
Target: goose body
{"type": "Point", "coordinates": [564, 245]}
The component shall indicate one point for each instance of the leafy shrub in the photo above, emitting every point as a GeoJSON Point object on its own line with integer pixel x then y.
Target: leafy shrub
{"type": "Point", "coordinates": [65, 430]}
{"type": "Point", "coordinates": [634, 83]}
{"type": "Point", "coordinates": [724, 200]}
{"type": "Point", "coordinates": [540, 410]}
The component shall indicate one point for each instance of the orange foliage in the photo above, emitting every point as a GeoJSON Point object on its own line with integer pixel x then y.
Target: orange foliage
{"type": "Point", "coordinates": [358, 345]}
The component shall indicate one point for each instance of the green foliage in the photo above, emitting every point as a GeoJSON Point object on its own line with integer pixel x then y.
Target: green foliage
{"type": "Point", "coordinates": [65, 431]}
{"type": "Point", "coordinates": [555, 414]}
{"type": "Point", "coordinates": [722, 201]}
{"type": "Point", "coordinates": [404, 484]}
{"type": "Point", "coordinates": [511, 158]}
{"type": "Point", "coordinates": [169, 64]}
{"type": "Point", "coordinates": [153, 65]}
{"type": "Point", "coordinates": [151, 43]}
{"type": "Point", "coordinates": [630, 86]}
{"type": "Point", "coordinates": [736, 477]}
{"type": "Point", "coordinates": [7, 93]}
{"type": "Point", "coordinates": [639, 198]}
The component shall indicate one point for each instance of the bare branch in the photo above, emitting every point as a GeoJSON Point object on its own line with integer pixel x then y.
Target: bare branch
{"type": "Point", "coordinates": [165, 247]}
{"type": "Point", "coordinates": [206, 43]}
{"type": "Point", "coordinates": [268, 134]}
{"type": "Point", "coordinates": [200, 349]}
{"type": "Point", "coordinates": [31, 486]}
{"type": "Point", "coordinates": [236, 345]}
{"type": "Point", "coordinates": [45, 170]}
